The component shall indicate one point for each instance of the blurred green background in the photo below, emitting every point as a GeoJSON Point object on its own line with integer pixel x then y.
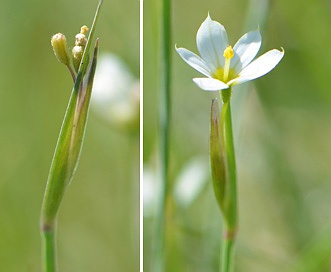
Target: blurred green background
{"type": "Point", "coordinates": [98, 219]}
{"type": "Point", "coordinates": [282, 125]}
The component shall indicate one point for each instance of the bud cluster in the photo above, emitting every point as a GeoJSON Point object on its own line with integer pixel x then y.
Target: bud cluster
{"type": "Point", "coordinates": [59, 44]}
{"type": "Point", "coordinates": [78, 49]}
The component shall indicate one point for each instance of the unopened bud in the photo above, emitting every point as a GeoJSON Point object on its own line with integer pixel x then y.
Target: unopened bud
{"type": "Point", "coordinates": [78, 50]}
{"type": "Point", "coordinates": [77, 54]}
{"type": "Point", "coordinates": [84, 29]}
{"type": "Point", "coordinates": [80, 39]}
{"type": "Point", "coordinates": [59, 44]}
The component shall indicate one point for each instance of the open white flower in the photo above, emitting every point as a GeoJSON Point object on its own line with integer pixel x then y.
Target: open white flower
{"type": "Point", "coordinates": [223, 65]}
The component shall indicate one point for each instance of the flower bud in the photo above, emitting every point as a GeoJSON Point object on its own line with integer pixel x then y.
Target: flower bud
{"type": "Point", "coordinates": [78, 50]}
{"type": "Point", "coordinates": [77, 54]}
{"type": "Point", "coordinates": [84, 29]}
{"type": "Point", "coordinates": [80, 39]}
{"type": "Point", "coordinates": [59, 44]}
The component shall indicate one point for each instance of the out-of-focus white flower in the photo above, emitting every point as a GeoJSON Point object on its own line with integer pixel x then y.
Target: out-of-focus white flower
{"type": "Point", "coordinates": [115, 93]}
{"type": "Point", "coordinates": [188, 185]}
{"type": "Point", "coordinates": [191, 181]}
{"type": "Point", "coordinates": [151, 191]}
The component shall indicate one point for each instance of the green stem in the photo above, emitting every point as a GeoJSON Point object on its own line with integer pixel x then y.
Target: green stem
{"type": "Point", "coordinates": [230, 216]}
{"type": "Point", "coordinates": [158, 262]}
{"type": "Point", "coordinates": [227, 250]}
{"type": "Point", "coordinates": [49, 248]}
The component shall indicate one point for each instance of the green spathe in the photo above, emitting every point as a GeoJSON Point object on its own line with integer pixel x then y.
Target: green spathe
{"type": "Point", "coordinates": [70, 140]}
{"type": "Point", "coordinates": [69, 145]}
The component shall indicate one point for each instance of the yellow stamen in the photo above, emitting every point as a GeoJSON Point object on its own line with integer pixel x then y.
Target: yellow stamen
{"type": "Point", "coordinates": [228, 55]}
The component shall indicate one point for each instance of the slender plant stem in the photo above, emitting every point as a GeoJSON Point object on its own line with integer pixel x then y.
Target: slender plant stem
{"type": "Point", "coordinates": [49, 248]}
{"type": "Point", "coordinates": [230, 224]}
{"type": "Point", "coordinates": [227, 249]}
{"type": "Point", "coordinates": [158, 262]}
{"type": "Point", "coordinates": [229, 146]}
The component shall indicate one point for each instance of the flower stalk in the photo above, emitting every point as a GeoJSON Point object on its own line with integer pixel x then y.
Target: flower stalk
{"type": "Point", "coordinates": [158, 262]}
{"type": "Point", "coordinates": [223, 170]}
{"type": "Point", "coordinates": [231, 213]}
{"type": "Point", "coordinates": [49, 248]}
{"type": "Point", "coordinates": [67, 152]}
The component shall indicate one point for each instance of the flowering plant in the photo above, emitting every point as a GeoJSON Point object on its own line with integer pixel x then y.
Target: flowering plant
{"type": "Point", "coordinates": [223, 65]}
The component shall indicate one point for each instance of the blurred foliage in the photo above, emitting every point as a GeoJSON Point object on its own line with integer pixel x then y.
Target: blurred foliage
{"type": "Point", "coordinates": [282, 128]}
{"type": "Point", "coordinates": [98, 224]}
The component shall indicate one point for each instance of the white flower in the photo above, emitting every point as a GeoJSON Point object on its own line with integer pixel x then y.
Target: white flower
{"type": "Point", "coordinates": [190, 182]}
{"type": "Point", "coordinates": [223, 65]}
{"type": "Point", "coordinates": [115, 93]}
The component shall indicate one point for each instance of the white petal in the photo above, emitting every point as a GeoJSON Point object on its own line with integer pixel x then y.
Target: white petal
{"type": "Point", "coordinates": [212, 41]}
{"type": "Point", "coordinates": [190, 182]}
{"type": "Point", "coordinates": [194, 61]}
{"type": "Point", "coordinates": [246, 49]}
{"type": "Point", "coordinates": [259, 67]}
{"type": "Point", "coordinates": [210, 84]}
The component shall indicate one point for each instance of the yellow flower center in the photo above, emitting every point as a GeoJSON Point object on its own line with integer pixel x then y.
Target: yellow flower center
{"type": "Point", "coordinates": [225, 74]}
{"type": "Point", "coordinates": [228, 55]}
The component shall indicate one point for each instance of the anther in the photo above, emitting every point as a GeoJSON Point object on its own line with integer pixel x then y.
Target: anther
{"type": "Point", "coordinates": [228, 55]}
